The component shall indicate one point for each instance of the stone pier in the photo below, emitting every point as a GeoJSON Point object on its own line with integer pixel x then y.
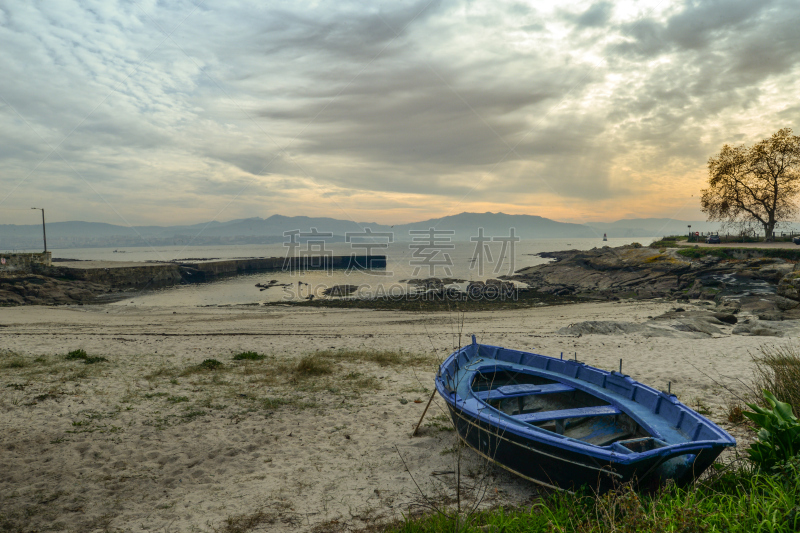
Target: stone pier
{"type": "Point", "coordinates": [136, 275]}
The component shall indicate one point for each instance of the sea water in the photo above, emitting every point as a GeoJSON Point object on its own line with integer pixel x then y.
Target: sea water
{"type": "Point", "coordinates": [404, 261]}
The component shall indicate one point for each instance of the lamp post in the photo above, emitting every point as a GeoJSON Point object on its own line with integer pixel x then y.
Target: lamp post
{"type": "Point", "coordinates": [690, 233]}
{"type": "Point", "coordinates": [44, 231]}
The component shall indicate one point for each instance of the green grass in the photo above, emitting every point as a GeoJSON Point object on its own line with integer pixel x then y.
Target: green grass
{"type": "Point", "coordinates": [740, 501]}
{"type": "Point", "coordinates": [732, 253]}
{"type": "Point", "coordinates": [664, 243]}
{"type": "Point", "coordinates": [249, 356]}
{"type": "Point", "coordinates": [14, 362]}
{"type": "Point", "coordinates": [178, 399]}
{"type": "Point", "coordinates": [81, 355]}
{"type": "Point", "coordinates": [76, 354]}
{"type": "Point", "coordinates": [208, 365]}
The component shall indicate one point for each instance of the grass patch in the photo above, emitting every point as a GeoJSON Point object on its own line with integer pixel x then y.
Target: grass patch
{"type": "Point", "coordinates": [188, 416]}
{"type": "Point", "coordinates": [162, 372]}
{"type": "Point", "coordinates": [208, 365]}
{"type": "Point", "coordinates": [740, 253]}
{"type": "Point", "coordinates": [274, 403]}
{"type": "Point", "coordinates": [249, 356]}
{"type": "Point", "coordinates": [14, 362]}
{"type": "Point", "coordinates": [211, 364]}
{"type": "Point", "coordinates": [81, 355]}
{"type": "Point", "coordinates": [379, 357]}
{"type": "Point", "coordinates": [313, 365]}
{"type": "Point", "coordinates": [777, 370]}
{"type": "Point", "coordinates": [178, 399]}
{"type": "Point", "coordinates": [441, 422]}
{"type": "Point", "coordinates": [663, 243]}
{"type": "Point", "coordinates": [740, 501]}
{"type": "Point", "coordinates": [75, 355]}
{"type": "Point", "coordinates": [358, 381]}
{"type": "Point", "coordinates": [697, 253]}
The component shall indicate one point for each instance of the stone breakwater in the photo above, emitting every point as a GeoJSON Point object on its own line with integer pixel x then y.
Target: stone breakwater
{"type": "Point", "coordinates": [68, 282]}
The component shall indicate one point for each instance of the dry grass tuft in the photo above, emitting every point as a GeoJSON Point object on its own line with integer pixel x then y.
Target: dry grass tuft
{"type": "Point", "coordinates": [735, 413]}
{"type": "Point", "coordinates": [14, 362]}
{"type": "Point", "coordinates": [778, 371]}
{"type": "Point", "coordinates": [379, 357]}
{"type": "Point", "coordinates": [313, 365]}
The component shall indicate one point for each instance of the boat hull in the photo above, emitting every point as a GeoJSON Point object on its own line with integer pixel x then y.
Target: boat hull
{"type": "Point", "coordinates": [558, 468]}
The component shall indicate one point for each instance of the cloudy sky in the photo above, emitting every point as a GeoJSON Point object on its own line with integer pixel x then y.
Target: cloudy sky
{"type": "Point", "coordinates": [165, 112]}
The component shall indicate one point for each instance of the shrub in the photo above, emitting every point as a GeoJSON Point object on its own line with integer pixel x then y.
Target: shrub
{"type": "Point", "coordinates": [248, 356]}
{"type": "Point", "coordinates": [81, 355]}
{"type": "Point", "coordinates": [210, 364]}
{"type": "Point", "coordinates": [77, 354]}
{"type": "Point", "coordinates": [778, 434]}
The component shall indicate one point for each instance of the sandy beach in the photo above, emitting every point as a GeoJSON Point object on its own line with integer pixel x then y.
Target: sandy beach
{"type": "Point", "coordinates": [148, 440]}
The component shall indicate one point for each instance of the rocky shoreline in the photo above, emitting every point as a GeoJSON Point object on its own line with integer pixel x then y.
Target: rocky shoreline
{"type": "Point", "coordinates": [767, 289]}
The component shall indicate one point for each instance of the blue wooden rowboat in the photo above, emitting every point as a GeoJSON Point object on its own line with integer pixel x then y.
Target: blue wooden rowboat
{"type": "Point", "coordinates": [565, 424]}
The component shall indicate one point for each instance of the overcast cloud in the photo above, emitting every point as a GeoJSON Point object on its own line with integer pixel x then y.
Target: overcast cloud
{"type": "Point", "coordinates": [178, 112]}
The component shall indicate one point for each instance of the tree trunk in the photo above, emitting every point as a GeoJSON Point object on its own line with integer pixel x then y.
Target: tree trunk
{"type": "Point", "coordinates": [769, 229]}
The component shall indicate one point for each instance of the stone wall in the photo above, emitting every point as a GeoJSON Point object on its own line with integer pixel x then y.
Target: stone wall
{"type": "Point", "coordinates": [209, 270]}
{"type": "Point", "coordinates": [24, 262]}
{"type": "Point", "coordinates": [125, 277]}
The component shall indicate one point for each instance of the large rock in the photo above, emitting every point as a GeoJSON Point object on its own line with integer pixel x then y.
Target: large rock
{"type": "Point", "coordinates": [599, 327]}
{"type": "Point", "coordinates": [784, 304]}
{"type": "Point", "coordinates": [789, 286]}
{"type": "Point", "coordinates": [755, 328]}
{"type": "Point", "coordinates": [727, 318]}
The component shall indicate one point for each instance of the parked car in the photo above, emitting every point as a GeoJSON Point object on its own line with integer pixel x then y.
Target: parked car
{"type": "Point", "coordinates": [796, 240]}
{"type": "Point", "coordinates": [713, 239]}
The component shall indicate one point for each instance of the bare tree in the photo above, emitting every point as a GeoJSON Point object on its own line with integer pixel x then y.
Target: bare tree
{"type": "Point", "coordinates": [755, 185]}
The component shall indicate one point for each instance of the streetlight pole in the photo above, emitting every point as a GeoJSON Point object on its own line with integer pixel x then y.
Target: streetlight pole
{"type": "Point", "coordinates": [44, 231]}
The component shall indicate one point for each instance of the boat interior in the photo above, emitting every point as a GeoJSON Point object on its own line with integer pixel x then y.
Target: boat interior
{"type": "Point", "coordinates": [562, 409]}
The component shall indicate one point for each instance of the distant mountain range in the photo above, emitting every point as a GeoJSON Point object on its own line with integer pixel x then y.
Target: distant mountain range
{"type": "Point", "coordinates": [271, 230]}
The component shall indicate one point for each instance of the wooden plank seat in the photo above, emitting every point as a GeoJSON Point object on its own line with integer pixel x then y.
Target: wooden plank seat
{"type": "Point", "coordinates": [561, 414]}
{"type": "Point", "coordinates": [515, 391]}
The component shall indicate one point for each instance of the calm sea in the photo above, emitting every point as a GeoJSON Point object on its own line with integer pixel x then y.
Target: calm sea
{"type": "Point", "coordinates": [404, 261]}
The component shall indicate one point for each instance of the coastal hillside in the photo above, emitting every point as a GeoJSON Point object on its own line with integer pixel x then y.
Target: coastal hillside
{"type": "Point", "coordinates": [80, 234]}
